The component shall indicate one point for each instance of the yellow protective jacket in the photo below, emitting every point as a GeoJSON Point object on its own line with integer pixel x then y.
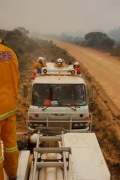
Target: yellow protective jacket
{"type": "Point", "coordinates": [39, 65]}
{"type": "Point", "coordinates": [8, 82]}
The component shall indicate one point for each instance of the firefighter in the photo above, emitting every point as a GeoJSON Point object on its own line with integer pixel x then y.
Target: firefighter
{"type": "Point", "coordinates": [9, 77]}
{"type": "Point", "coordinates": [59, 63]}
{"type": "Point", "coordinates": [39, 65]}
{"type": "Point", "coordinates": [76, 66]}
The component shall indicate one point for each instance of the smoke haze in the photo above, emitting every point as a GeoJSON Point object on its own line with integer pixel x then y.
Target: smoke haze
{"type": "Point", "coordinates": [57, 16]}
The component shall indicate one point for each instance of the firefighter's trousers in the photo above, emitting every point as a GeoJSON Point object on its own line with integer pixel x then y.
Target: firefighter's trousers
{"type": "Point", "coordinates": [9, 155]}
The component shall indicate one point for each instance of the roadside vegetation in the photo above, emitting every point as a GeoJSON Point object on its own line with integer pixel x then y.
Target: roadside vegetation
{"type": "Point", "coordinates": [29, 49]}
{"type": "Point", "coordinates": [96, 40]}
{"type": "Point", "coordinates": [19, 39]}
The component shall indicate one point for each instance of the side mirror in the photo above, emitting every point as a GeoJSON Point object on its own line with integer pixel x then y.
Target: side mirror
{"type": "Point", "coordinates": [25, 90]}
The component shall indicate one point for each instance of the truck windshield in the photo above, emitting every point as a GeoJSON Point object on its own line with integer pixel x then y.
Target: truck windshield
{"type": "Point", "coordinates": [59, 95]}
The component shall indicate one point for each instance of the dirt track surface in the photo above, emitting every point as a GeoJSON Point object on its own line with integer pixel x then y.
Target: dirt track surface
{"type": "Point", "coordinates": [102, 66]}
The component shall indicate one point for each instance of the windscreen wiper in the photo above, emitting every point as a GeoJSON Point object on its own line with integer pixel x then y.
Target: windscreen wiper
{"type": "Point", "coordinates": [45, 107]}
{"type": "Point", "coordinates": [73, 108]}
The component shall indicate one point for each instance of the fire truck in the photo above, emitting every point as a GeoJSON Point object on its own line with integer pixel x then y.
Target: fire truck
{"type": "Point", "coordinates": [59, 97]}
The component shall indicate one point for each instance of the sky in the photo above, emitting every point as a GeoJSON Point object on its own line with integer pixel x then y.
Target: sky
{"type": "Point", "coordinates": [57, 16]}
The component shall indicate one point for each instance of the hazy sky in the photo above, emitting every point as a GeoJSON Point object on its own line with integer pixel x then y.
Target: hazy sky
{"type": "Point", "coordinates": [56, 16]}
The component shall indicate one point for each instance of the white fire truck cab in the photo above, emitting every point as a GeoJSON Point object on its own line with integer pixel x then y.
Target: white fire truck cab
{"type": "Point", "coordinates": [59, 98]}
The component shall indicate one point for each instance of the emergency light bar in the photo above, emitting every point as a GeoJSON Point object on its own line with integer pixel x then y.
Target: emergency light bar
{"type": "Point", "coordinates": [59, 71]}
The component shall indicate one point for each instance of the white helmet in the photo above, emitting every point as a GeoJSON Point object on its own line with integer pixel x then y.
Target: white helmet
{"type": "Point", "coordinates": [41, 59]}
{"type": "Point", "coordinates": [59, 60]}
{"type": "Point", "coordinates": [76, 64]}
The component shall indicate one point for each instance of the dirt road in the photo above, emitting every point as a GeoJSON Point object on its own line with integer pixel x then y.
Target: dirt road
{"type": "Point", "coordinates": [102, 66]}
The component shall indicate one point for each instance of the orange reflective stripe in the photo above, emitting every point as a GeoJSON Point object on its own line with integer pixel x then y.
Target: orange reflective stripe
{"type": "Point", "coordinates": [4, 116]}
{"type": "Point", "coordinates": [1, 159]}
{"type": "Point", "coordinates": [11, 149]}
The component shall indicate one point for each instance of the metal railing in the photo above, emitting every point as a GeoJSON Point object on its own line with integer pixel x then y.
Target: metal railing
{"type": "Point", "coordinates": [62, 163]}
{"type": "Point", "coordinates": [60, 120]}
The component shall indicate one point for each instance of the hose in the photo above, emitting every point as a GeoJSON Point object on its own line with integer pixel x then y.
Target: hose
{"type": "Point", "coordinates": [51, 131]}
